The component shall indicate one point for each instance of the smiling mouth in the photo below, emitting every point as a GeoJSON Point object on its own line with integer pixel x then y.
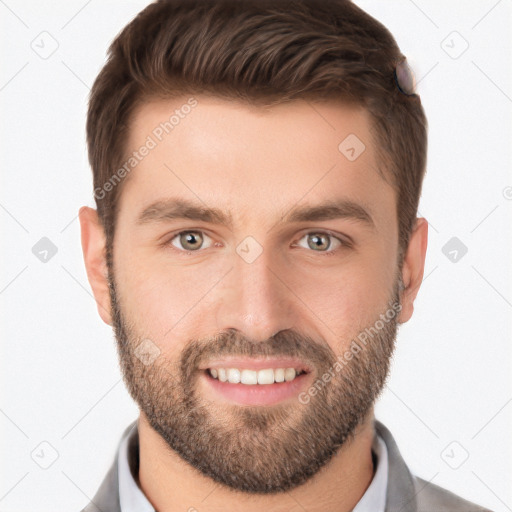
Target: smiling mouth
{"type": "Point", "coordinates": [256, 381]}
{"type": "Point", "coordinates": [255, 377]}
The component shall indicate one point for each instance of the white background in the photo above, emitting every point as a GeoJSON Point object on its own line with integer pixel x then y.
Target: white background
{"type": "Point", "coordinates": [450, 380]}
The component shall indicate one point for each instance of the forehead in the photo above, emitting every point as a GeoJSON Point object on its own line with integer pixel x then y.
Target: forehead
{"type": "Point", "coordinates": [256, 161]}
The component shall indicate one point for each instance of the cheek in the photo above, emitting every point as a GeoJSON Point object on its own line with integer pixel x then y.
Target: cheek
{"type": "Point", "coordinates": [166, 302]}
{"type": "Point", "coordinates": [347, 299]}
{"type": "Point", "coordinates": [346, 308]}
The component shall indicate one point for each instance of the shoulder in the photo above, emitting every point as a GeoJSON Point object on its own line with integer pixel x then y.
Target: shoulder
{"type": "Point", "coordinates": [406, 491]}
{"type": "Point", "coordinates": [107, 496]}
{"type": "Point", "coordinates": [433, 498]}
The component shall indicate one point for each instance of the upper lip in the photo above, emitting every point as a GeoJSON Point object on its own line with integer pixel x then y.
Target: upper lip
{"type": "Point", "coordinates": [258, 363]}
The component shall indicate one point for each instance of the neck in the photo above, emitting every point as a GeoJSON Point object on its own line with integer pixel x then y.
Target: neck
{"type": "Point", "coordinates": [170, 483]}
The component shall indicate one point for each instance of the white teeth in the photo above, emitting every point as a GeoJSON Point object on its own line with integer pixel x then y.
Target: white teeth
{"type": "Point", "coordinates": [266, 376]}
{"type": "Point", "coordinates": [252, 377]}
{"type": "Point", "coordinates": [289, 374]}
{"type": "Point", "coordinates": [249, 377]}
{"type": "Point", "coordinates": [233, 375]}
{"type": "Point", "coordinates": [279, 375]}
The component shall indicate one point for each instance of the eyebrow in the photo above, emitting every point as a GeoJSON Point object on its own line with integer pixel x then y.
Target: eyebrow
{"type": "Point", "coordinates": [172, 209]}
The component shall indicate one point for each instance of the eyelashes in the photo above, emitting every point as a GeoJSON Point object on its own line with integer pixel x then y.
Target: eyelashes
{"type": "Point", "coordinates": [198, 238]}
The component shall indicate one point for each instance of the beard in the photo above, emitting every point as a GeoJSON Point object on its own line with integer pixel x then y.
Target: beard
{"type": "Point", "coordinates": [256, 449]}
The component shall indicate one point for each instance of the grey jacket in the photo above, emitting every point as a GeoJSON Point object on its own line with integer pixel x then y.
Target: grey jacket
{"type": "Point", "coordinates": [405, 492]}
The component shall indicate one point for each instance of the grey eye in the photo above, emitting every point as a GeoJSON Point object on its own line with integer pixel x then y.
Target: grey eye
{"type": "Point", "coordinates": [320, 242]}
{"type": "Point", "coordinates": [189, 240]}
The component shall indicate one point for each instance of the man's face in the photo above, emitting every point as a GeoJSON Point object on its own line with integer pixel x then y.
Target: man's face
{"type": "Point", "coordinates": [192, 297]}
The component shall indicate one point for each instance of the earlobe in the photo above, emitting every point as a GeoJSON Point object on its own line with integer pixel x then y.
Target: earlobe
{"type": "Point", "coordinates": [413, 268]}
{"type": "Point", "coordinates": [94, 253]}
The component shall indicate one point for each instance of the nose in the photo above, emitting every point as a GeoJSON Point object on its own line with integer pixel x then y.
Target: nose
{"type": "Point", "coordinates": [255, 299]}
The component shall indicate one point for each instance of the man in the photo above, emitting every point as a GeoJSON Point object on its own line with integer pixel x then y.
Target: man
{"type": "Point", "coordinates": [285, 141]}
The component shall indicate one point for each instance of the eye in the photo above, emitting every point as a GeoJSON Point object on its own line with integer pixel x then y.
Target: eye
{"type": "Point", "coordinates": [318, 241]}
{"type": "Point", "coordinates": [321, 241]}
{"type": "Point", "coordinates": [189, 240]}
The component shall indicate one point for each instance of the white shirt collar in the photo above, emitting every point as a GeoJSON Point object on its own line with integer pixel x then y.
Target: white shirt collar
{"type": "Point", "coordinates": [374, 499]}
{"type": "Point", "coordinates": [132, 499]}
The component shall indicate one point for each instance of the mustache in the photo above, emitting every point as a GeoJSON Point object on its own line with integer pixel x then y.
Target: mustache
{"type": "Point", "coordinates": [230, 342]}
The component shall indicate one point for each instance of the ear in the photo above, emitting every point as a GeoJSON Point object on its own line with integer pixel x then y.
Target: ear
{"type": "Point", "coordinates": [413, 268]}
{"type": "Point", "coordinates": [94, 251]}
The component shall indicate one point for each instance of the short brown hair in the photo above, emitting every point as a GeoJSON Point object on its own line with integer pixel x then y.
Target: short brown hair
{"type": "Point", "coordinates": [262, 52]}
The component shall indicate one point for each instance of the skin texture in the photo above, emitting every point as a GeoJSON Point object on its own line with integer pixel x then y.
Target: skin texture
{"type": "Point", "coordinates": [258, 164]}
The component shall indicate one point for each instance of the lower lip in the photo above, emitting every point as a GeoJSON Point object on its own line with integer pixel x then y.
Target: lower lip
{"type": "Point", "coordinates": [258, 394]}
